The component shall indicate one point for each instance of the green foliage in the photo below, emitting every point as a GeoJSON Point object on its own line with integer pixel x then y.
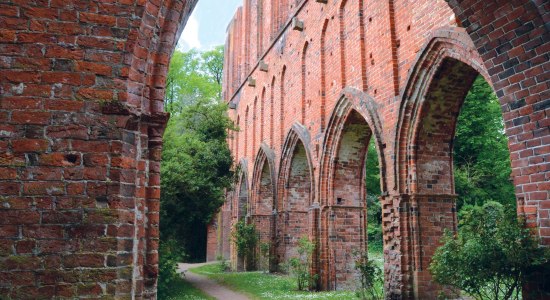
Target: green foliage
{"type": "Point", "coordinates": [223, 263]}
{"type": "Point", "coordinates": [372, 178]}
{"type": "Point", "coordinates": [371, 277]}
{"type": "Point", "coordinates": [196, 161]}
{"type": "Point", "coordinates": [481, 157]}
{"type": "Point", "coordinates": [193, 75]}
{"type": "Point", "coordinates": [374, 209]}
{"type": "Point", "coordinates": [169, 255]}
{"type": "Point", "coordinates": [491, 255]}
{"type": "Point", "coordinates": [264, 256]}
{"type": "Point", "coordinates": [245, 238]}
{"type": "Point", "coordinates": [300, 267]}
{"type": "Point", "coordinates": [374, 234]}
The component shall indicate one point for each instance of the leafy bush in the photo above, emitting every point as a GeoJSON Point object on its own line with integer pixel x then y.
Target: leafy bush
{"type": "Point", "coordinates": [223, 264]}
{"type": "Point", "coordinates": [264, 256]}
{"type": "Point", "coordinates": [245, 238]}
{"type": "Point", "coordinates": [170, 254]}
{"type": "Point", "coordinates": [491, 256]}
{"type": "Point", "coordinates": [374, 233]}
{"type": "Point", "coordinates": [371, 277]}
{"type": "Point", "coordinates": [300, 267]}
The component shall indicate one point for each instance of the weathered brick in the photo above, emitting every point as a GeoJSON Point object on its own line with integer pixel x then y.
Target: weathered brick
{"type": "Point", "coordinates": [74, 73]}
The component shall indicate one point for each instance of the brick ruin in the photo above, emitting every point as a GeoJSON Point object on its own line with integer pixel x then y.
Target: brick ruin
{"type": "Point", "coordinates": [81, 109]}
{"type": "Point", "coordinates": [310, 83]}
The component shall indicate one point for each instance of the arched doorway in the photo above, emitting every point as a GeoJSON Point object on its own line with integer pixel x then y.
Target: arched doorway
{"type": "Point", "coordinates": [296, 216]}
{"type": "Point", "coordinates": [427, 205]}
{"type": "Point", "coordinates": [263, 207]}
{"type": "Point", "coordinates": [343, 193]}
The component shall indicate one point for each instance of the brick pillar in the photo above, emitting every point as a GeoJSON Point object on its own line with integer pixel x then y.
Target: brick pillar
{"type": "Point", "coordinates": [413, 226]}
{"type": "Point", "coordinates": [314, 214]}
{"type": "Point", "coordinates": [396, 220]}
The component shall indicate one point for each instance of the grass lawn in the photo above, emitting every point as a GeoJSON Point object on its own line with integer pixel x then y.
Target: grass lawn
{"type": "Point", "coordinates": [266, 286]}
{"type": "Point", "coordinates": [183, 290]}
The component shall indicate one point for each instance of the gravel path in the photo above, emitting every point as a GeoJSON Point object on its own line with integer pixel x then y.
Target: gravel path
{"type": "Point", "coordinates": [207, 285]}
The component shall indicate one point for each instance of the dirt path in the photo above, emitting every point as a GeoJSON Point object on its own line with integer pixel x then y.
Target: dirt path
{"type": "Point", "coordinates": [207, 285]}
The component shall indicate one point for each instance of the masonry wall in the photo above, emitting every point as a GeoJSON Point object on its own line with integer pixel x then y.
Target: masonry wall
{"type": "Point", "coordinates": [81, 123]}
{"type": "Point", "coordinates": [404, 67]}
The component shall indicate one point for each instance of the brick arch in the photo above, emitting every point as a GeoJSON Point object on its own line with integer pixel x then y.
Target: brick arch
{"type": "Point", "coordinates": [513, 38]}
{"type": "Point", "coordinates": [264, 191]}
{"type": "Point", "coordinates": [295, 193]}
{"type": "Point", "coordinates": [264, 165]}
{"type": "Point", "coordinates": [149, 48]}
{"type": "Point", "coordinates": [444, 45]}
{"type": "Point", "coordinates": [298, 135]}
{"type": "Point", "coordinates": [350, 100]}
{"type": "Point", "coordinates": [241, 202]}
{"type": "Point", "coordinates": [354, 121]}
{"type": "Point", "coordinates": [436, 88]}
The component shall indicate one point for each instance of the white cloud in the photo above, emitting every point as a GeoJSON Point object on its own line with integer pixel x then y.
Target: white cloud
{"type": "Point", "coordinates": [190, 35]}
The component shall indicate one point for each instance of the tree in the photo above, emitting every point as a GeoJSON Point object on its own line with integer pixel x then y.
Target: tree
{"type": "Point", "coordinates": [213, 66]}
{"type": "Point", "coordinates": [491, 256]}
{"type": "Point", "coordinates": [196, 161]}
{"type": "Point", "coordinates": [193, 75]}
{"type": "Point", "coordinates": [481, 157]}
{"type": "Point", "coordinates": [196, 169]}
{"type": "Point", "coordinates": [374, 209]}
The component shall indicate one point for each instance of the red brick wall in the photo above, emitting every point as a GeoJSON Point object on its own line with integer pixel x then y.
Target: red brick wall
{"type": "Point", "coordinates": [404, 67]}
{"type": "Point", "coordinates": [81, 123]}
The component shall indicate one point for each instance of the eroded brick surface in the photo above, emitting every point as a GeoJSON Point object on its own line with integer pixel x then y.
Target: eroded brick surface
{"type": "Point", "coordinates": [81, 123]}
{"type": "Point", "coordinates": [329, 77]}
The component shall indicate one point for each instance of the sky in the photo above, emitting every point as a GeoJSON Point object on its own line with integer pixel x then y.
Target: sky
{"type": "Point", "coordinates": [207, 24]}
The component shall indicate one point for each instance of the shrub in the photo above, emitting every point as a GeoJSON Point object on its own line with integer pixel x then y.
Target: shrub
{"type": "Point", "coordinates": [300, 267]}
{"type": "Point", "coordinates": [264, 256]}
{"type": "Point", "coordinates": [170, 253]}
{"type": "Point", "coordinates": [245, 238]}
{"type": "Point", "coordinates": [490, 257]}
{"type": "Point", "coordinates": [223, 263]}
{"type": "Point", "coordinates": [371, 277]}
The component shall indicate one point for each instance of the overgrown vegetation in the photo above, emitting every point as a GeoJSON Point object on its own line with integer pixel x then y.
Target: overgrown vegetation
{"type": "Point", "coordinates": [264, 256]}
{"type": "Point", "coordinates": [300, 266]}
{"type": "Point", "coordinates": [491, 256]}
{"type": "Point", "coordinates": [371, 277]}
{"type": "Point", "coordinates": [374, 209]}
{"type": "Point", "coordinates": [196, 161]}
{"type": "Point", "coordinates": [481, 158]}
{"type": "Point", "coordinates": [245, 238]}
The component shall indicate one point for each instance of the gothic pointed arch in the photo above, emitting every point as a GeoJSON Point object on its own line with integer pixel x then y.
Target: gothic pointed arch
{"type": "Point", "coordinates": [264, 200]}
{"type": "Point", "coordinates": [343, 217]}
{"type": "Point", "coordinates": [296, 214]}
{"type": "Point", "coordinates": [298, 137]}
{"type": "Point", "coordinates": [447, 48]}
{"type": "Point", "coordinates": [351, 101]}
{"type": "Point", "coordinates": [263, 181]}
{"type": "Point", "coordinates": [436, 88]}
{"type": "Point", "coordinates": [241, 202]}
